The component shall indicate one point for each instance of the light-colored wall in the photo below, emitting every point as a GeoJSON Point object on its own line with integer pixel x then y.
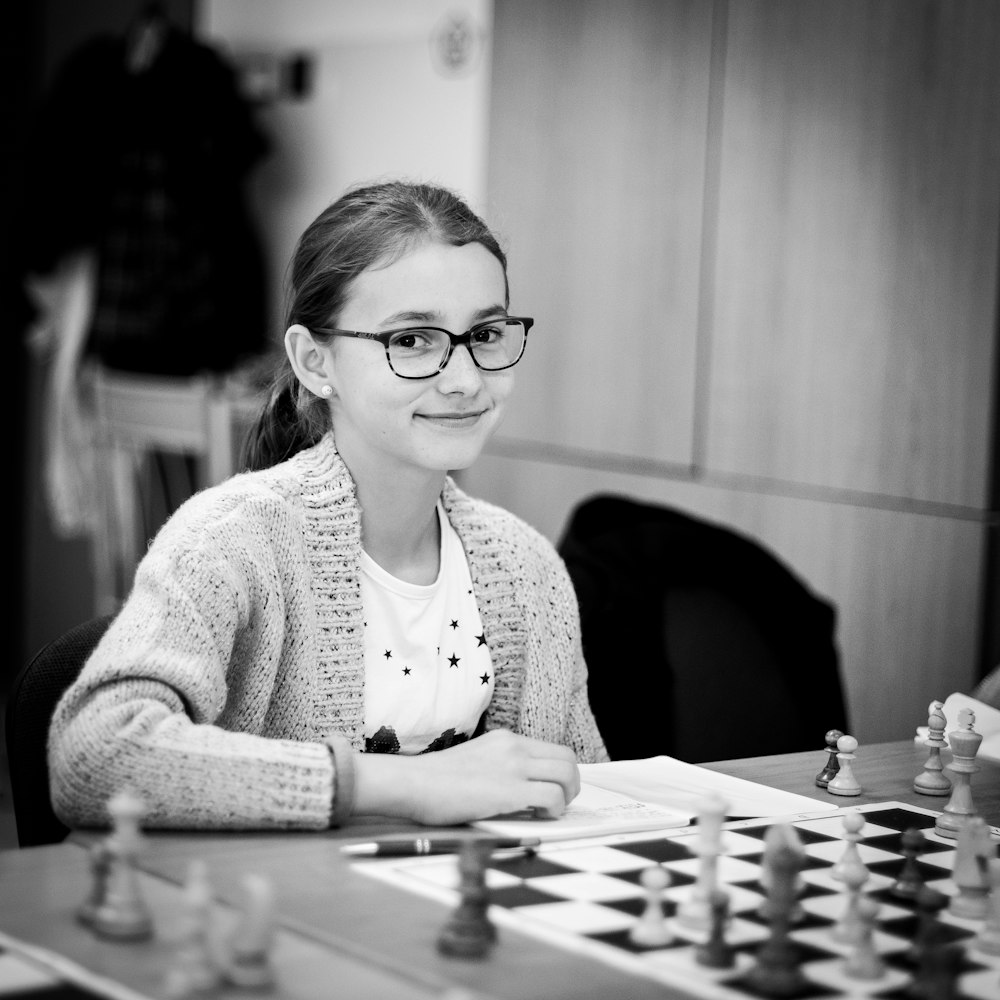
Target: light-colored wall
{"type": "Point", "coordinates": [760, 243]}
{"type": "Point", "coordinates": [383, 102]}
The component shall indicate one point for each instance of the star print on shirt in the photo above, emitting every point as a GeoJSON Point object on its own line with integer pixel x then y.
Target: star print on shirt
{"type": "Point", "coordinates": [406, 671]}
{"type": "Point", "coordinates": [388, 654]}
{"type": "Point", "coordinates": [485, 678]}
{"type": "Point", "coordinates": [482, 640]}
{"type": "Point", "coordinates": [454, 623]}
{"type": "Point", "coordinates": [453, 660]}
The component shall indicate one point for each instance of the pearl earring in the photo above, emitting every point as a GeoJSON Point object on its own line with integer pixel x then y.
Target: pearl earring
{"type": "Point", "coordinates": [327, 391]}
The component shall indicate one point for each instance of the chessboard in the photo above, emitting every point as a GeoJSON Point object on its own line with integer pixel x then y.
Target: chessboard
{"type": "Point", "coordinates": [588, 895]}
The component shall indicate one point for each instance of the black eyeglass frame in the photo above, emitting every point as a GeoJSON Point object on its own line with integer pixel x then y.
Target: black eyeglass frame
{"type": "Point", "coordinates": [456, 338]}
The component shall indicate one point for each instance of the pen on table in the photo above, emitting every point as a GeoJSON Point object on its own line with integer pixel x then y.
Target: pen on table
{"type": "Point", "coordinates": [404, 847]}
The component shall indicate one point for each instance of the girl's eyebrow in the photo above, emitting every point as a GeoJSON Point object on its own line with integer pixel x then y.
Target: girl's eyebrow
{"type": "Point", "coordinates": [433, 318]}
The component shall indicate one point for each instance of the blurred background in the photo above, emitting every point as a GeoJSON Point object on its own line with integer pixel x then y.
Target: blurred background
{"type": "Point", "coordinates": [759, 240]}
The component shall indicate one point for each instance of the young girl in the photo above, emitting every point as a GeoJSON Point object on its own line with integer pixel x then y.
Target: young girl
{"type": "Point", "coordinates": [299, 637]}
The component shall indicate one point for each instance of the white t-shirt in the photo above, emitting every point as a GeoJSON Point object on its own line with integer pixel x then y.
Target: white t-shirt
{"type": "Point", "coordinates": [428, 671]}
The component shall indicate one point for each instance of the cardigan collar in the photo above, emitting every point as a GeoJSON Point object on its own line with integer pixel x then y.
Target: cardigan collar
{"type": "Point", "coordinates": [332, 531]}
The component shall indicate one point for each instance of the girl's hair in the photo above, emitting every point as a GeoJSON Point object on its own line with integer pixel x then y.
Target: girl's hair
{"type": "Point", "coordinates": [369, 226]}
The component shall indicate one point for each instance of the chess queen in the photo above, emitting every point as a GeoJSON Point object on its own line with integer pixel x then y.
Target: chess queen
{"type": "Point", "coordinates": [297, 637]}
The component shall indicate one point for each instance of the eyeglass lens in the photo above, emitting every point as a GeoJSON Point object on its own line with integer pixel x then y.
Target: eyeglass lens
{"type": "Point", "coordinates": [418, 353]}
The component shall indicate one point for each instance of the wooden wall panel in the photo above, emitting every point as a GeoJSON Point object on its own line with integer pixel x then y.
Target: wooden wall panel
{"type": "Point", "coordinates": [855, 285]}
{"type": "Point", "coordinates": [597, 157]}
{"type": "Point", "coordinates": [905, 585]}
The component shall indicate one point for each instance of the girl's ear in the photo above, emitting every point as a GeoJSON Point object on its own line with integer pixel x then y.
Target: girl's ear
{"type": "Point", "coordinates": [309, 361]}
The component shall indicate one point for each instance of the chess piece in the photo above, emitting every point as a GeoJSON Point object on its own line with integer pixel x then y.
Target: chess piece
{"type": "Point", "coordinates": [123, 915]}
{"type": "Point", "coordinates": [988, 939]}
{"type": "Point", "coordinates": [909, 881]}
{"type": "Point", "coordinates": [716, 952]}
{"type": "Point", "coordinates": [781, 836]}
{"type": "Point", "coordinates": [932, 780]}
{"type": "Point", "coordinates": [832, 766]}
{"type": "Point", "coordinates": [100, 865]}
{"type": "Point", "coordinates": [776, 972]}
{"type": "Point", "coordinates": [973, 849]}
{"type": "Point", "coordinates": [695, 911]}
{"type": "Point", "coordinates": [853, 823]}
{"type": "Point", "coordinates": [194, 969]}
{"type": "Point", "coordinates": [936, 977]}
{"type": "Point", "coordinates": [250, 947]}
{"type": "Point", "coordinates": [844, 782]}
{"type": "Point", "coordinates": [651, 930]}
{"type": "Point", "coordinates": [863, 961]}
{"type": "Point", "coordinates": [930, 903]}
{"type": "Point", "coordinates": [849, 929]}
{"type": "Point", "coordinates": [469, 933]}
{"type": "Point", "coordinates": [965, 743]}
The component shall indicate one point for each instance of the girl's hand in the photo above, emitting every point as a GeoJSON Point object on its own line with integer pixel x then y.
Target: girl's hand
{"type": "Point", "coordinates": [498, 772]}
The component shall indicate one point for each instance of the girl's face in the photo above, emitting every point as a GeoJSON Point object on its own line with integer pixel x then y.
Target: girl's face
{"type": "Point", "coordinates": [387, 424]}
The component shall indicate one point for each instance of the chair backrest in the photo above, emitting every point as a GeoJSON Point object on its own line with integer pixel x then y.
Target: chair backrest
{"type": "Point", "coordinates": [30, 705]}
{"type": "Point", "coordinates": [700, 643]}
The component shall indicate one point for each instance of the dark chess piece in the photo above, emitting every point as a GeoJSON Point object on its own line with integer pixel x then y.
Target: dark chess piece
{"type": "Point", "coordinates": [100, 865]}
{"type": "Point", "coordinates": [930, 903]}
{"type": "Point", "coordinates": [832, 765]}
{"type": "Point", "coordinates": [777, 972]}
{"type": "Point", "coordinates": [909, 881]}
{"type": "Point", "coordinates": [716, 952]}
{"type": "Point", "coordinates": [469, 932]}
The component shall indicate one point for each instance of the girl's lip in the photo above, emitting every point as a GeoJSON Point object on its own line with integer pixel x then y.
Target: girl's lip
{"type": "Point", "coordinates": [465, 415]}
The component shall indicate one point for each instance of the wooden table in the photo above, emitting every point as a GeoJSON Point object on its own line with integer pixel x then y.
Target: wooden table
{"type": "Point", "coordinates": [342, 933]}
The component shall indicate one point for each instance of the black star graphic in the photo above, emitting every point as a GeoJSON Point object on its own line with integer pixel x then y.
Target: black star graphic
{"type": "Point", "coordinates": [453, 660]}
{"type": "Point", "coordinates": [406, 671]}
{"type": "Point", "coordinates": [485, 678]}
{"type": "Point", "coordinates": [454, 623]}
{"type": "Point", "coordinates": [482, 640]}
{"type": "Point", "coordinates": [387, 654]}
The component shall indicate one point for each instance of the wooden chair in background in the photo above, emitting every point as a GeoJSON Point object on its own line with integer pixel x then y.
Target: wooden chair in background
{"type": "Point", "coordinates": [138, 416]}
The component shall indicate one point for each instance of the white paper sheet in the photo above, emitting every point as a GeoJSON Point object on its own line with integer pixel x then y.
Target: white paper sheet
{"type": "Point", "coordinates": [654, 793]}
{"type": "Point", "coordinates": [987, 723]}
{"type": "Point", "coordinates": [678, 785]}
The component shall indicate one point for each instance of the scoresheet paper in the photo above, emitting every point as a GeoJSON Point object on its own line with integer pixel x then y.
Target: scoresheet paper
{"type": "Point", "coordinates": [627, 796]}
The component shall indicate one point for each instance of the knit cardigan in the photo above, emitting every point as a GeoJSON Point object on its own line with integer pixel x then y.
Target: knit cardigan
{"type": "Point", "coordinates": [239, 651]}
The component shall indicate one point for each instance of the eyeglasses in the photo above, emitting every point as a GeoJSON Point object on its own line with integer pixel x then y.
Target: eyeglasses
{"type": "Point", "coordinates": [423, 351]}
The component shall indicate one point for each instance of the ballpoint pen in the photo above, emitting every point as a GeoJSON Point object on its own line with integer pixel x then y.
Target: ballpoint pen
{"type": "Point", "coordinates": [406, 846]}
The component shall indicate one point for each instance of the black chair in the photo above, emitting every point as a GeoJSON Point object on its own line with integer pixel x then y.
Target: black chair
{"type": "Point", "coordinates": [31, 702]}
{"type": "Point", "coordinates": [700, 643]}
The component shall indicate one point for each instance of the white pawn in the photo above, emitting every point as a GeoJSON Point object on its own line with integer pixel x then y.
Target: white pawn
{"type": "Point", "coordinates": [195, 969]}
{"type": "Point", "coordinates": [849, 929]}
{"type": "Point", "coordinates": [853, 822]}
{"type": "Point", "coordinates": [250, 947]}
{"type": "Point", "coordinates": [988, 939]}
{"type": "Point", "coordinates": [651, 930]}
{"type": "Point", "coordinates": [844, 782]}
{"type": "Point", "coordinates": [695, 912]}
{"type": "Point", "coordinates": [864, 961]}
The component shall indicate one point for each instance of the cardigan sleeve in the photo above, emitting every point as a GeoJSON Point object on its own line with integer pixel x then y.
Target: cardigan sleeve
{"type": "Point", "coordinates": [178, 701]}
